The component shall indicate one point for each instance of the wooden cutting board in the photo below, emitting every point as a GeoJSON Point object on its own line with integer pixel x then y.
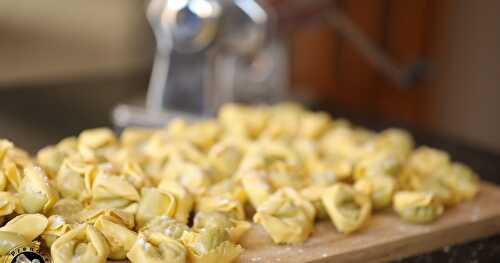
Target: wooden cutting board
{"type": "Point", "coordinates": [386, 237]}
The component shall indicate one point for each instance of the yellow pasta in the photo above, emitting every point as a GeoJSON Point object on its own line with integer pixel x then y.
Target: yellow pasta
{"type": "Point", "coordinates": [235, 228]}
{"type": "Point", "coordinates": [211, 245]}
{"type": "Point", "coordinates": [28, 225]}
{"type": "Point", "coordinates": [155, 202]}
{"type": "Point", "coordinates": [36, 192]}
{"type": "Point", "coordinates": [184, 200]}
{"type": "Point", "coordinates": [417, 207]}
{"type": "Point", "coordinates": [379, 188]}
{"type": "Point", "coordinates": [84, 244]}
{"type": "Point", "coordinates": [56, 227]}
{"type": "Point", "coordinates": [11, 240]}
{"type": "Point", "coordinates": [156, 248]}
{"type": "Point", "coordinates": [182, 193]}
{"type": "Point", "coordinates": [97, 144]}
{"type": "Point", "coordinates": [119, 237]}
{"type": "Point", "coordinates": [287, 217]}
{"type": "Point", "coordinates": [165, 225]}
{"type": "Point", "coordinates": [348, 209]}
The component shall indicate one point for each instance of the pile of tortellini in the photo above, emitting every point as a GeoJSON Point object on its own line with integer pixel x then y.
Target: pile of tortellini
{"type": "Point", "coordinates": [188, 192]}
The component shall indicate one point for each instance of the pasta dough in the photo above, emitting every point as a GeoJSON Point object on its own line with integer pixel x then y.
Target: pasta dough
{"type": "Point", "coordinates": [348, 209]}
{"type": "Point", "coordinates": [417, 207]}
{"type": "Point", "coordinates": [286, 216]}
{"type": "Point", "coordinates": [84, 244]}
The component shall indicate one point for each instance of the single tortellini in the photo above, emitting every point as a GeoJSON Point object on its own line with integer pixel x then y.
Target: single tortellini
{"type": "Point", "coordinates": [226, 155]}
{"type": "Point", "coordinates": [211, 245]}
{"type": "Point", "coordinates": [50, 158]}
{"type": "Point", "coordinates": [9, 204]}
{"type": "Point", "coordinates": [463, 181]}
{"type": "Point", "coordinates": [277, 163]}
{"type": "Point", "coordinates": [11, 240]}
{"type": "Point", "coordinates": [110, 190]}
{"type": "Point", "coordinates": [35, 192]}
{"type": "Point", "coordinates": [83, 244]}
{"type": "Point", "coordinates": [190, 175]}
{"type": "Point", "coordinates": [11, 175]}
{"type": "Point", "coordinates": [223, 204]}
{"type": "Point", "coordinates": [155, 202]}
{"type": "Point", "coordinates": [56, 227]}
{"type": "Point", "coordinates": [165, 225]}
{"type": "Point", "coordinates": [379, 188]}
{"type": "Point", "coordinates": [425, 160]}
{"type": "Point", "coordinates": [28, 225]}
{"type": "Point", "coordinates": [256, 187]}
{"type": "Point", "coordinates": [184, 199]}
{"type": "Point", "coordinates": [68, 208]}
{"type": "Point", "coordinates": [157, 248]}
{"type": "Point", "coordinates": [436, 184]}
{"type": "Point", "coordinates": [236, 228]}
{"type": "Point", "coordinates": [286, 216]}
{"type": "Point", "coordinates": [120, 238]}
{"type": "Point", "coordinates": [417, 207]}
{"type": "Point", "coordinates": [377, 164]}
{"type": "Point", "coordinates": [349, 210]}
{"type": "Point", "coordinates": [96, 145]}
{"type": "Point", "coordinates": [70, 179]}
{"type": "Point", "coordinates": [395, 141]}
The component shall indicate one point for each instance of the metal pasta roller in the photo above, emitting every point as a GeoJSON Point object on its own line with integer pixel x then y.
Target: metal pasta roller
{"type": "Point", "coordinates": [209, 52]}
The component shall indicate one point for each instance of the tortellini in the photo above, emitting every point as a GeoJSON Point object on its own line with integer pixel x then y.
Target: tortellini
{"type": "Point", "coordinates": [28, 225]}
{"type": "Point", "coordinates": [56, 227]}
{"type": "Point", "coordinates": [417, 207]}
{"type": "Point", "coordinates": [120, 238]}
{"type": "Point", "coordinates": [211, 245]}
{"type": "Point", "coordinates": [36, 192]}
{"type": "Point", "coordinates": [83, 244]}
{"type": "Point", "coordinates": [380, 189]}
{"type": "Point", "coordinates": [110, 190]}
{"type": "Point", "coordinates": [157, 248]}
{"type": "Point", "coordinates": [97, 144]}
{"type": "Point", "coordinates": [223, 204]}
{"type": "Point", "coordinates": [184, 200]}
{"type": "Point", "coordinates": [286, 216]}
{"type": "Point", "coordinates": [183, 193]}
{"type": "Point", "coordinates": [70, 179]}
{"type": "Point", "coordinates": [165, 225]}
{"type": "Point", "coordinates": [236, 228]}
{"type": "Point", "coordinates": [155, 202]}
{"type": "Point", "coordinates": [348, 209]}
{"type": "Point", "coordinates": [9, 203]}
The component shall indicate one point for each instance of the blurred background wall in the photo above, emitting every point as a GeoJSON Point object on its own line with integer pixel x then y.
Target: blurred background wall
{"type": "Point", "coordinates": [65, 64]}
